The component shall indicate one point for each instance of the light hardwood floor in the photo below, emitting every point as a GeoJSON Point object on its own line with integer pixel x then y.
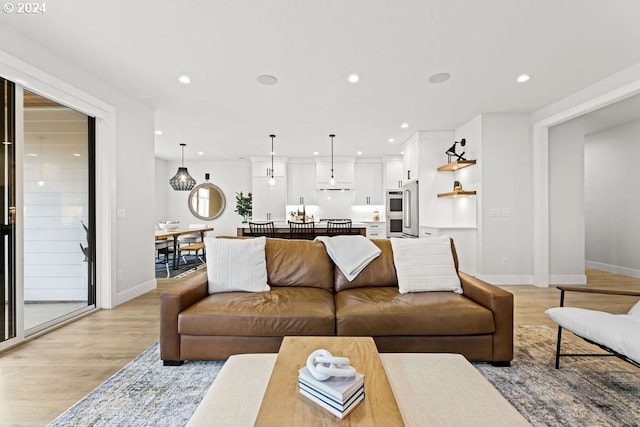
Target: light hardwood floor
{"type": "Point", "coordinates": [42, 378]}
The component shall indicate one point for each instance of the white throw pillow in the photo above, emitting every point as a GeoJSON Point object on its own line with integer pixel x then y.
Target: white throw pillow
{"type": "Point", "coordinates": [635, 311]}
{"type": "Point", "coordinates": [424, 265]}
{"type": "Point", "coordinates": [236, 265]}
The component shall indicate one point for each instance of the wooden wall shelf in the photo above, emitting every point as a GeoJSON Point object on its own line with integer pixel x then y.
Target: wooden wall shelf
{"type": "Point", "coordinates": [458, 164]}
{"type": "Point", "coordinates": [458, 193]}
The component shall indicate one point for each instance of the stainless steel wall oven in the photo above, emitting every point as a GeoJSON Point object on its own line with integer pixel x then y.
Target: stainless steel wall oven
{"type": "Point", "coordinates": [394, 213]}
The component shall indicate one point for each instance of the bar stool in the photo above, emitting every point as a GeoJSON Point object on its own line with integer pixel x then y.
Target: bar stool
{"type": "Point", "coordinates": [302, 230]}
{"type": "Point", "coordinates": [265, 228]}
{"type": "Point", "coordinates": [337, 227]}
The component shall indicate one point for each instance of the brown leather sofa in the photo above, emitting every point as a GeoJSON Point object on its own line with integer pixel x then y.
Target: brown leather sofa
{"type": "Point", "coordinates": [310, 296]}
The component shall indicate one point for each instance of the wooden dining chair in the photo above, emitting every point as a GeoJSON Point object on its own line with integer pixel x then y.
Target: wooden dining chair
{"type": "Point", "coordinates": [336, 227]}
{"type": "Point", "coordinates": [263, 228]}
{"type": "Point", "coordinates": [302, 230]}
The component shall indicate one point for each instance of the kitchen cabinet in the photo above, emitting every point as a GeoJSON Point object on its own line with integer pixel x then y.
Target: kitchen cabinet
{"type": "Point", "coordinates": [376, 229]}
{"type": "Point", "coordinates": [410, 160]}
{"type": "Point", "coordinates": [343, 172]}
{"type": "Point", "coordinates": [368, 183]}
{"type": "Point", "coordinates": [269, 203]}
{"type": "Point", "coordinates": [301, 183]}
{"type": "Point", "coordinates": [261, 167]}
{"type": "Point", "coordinates": [394, 174]}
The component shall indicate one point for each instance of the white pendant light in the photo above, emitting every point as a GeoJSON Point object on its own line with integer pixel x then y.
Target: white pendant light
{"type": "Point", "coordinates": [182, 181]}
{"type": "Point", "coordinates": [332, 181]}
{"type": "Point", "coordinates": [272, 181]}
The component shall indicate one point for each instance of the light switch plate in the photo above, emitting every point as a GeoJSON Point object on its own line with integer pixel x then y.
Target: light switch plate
{"type": "Point", "coordinates": [120, 213]}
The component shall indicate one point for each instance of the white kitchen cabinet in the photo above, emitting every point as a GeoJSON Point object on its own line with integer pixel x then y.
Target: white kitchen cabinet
{"type": "Point", "coordinates": [269, 203]}
{"type": "Point", "coordinates": [261, 167]}
{"type": "Point", "coordinates": [393, 176]}
{"type": "Point", "coordinates": [343, 173]}
{"type": "Point", "coordinates": [376, 229]}
{"type": "Point", "coordinates": [410, 160]}
{"type": "Point", "coordinates": [301, 183]}
{"type": "Point", "coordinates": [368, 184]}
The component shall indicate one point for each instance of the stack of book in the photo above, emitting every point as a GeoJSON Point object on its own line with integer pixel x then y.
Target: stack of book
{"type": "Point", "coordinates": [337, 395]}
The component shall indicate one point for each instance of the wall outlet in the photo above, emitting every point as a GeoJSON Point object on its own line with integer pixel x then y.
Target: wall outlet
{"type": "Point", "coordinates": [505, 260]}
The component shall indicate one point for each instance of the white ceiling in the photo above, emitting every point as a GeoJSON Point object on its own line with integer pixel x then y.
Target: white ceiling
{"type": "Point", "coordinates": [312, 46]}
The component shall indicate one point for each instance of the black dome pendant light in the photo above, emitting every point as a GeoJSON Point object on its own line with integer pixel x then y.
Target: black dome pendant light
{"type": "Point", "coordinates": [182, 181]}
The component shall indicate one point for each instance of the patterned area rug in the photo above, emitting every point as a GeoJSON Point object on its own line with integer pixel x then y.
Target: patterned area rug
{"type": "Point", "coordinates": [584, 392]}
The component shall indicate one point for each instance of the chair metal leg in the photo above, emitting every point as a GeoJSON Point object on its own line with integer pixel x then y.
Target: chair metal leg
{"type": "Point", "coordinates": [558, 347]}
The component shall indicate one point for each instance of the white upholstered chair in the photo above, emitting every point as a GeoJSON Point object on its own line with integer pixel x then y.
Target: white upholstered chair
{"type": "Point", "coordinates": [618, 334]}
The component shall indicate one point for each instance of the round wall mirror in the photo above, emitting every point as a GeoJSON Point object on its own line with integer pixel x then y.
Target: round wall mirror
{"type": "Point", "coordinates": [206, 201]}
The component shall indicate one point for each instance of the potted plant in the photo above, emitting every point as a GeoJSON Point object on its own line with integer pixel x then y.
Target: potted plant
{"type": "Point", "coordinates": [85, 249]}
{"type": "Point", "coordinates": [244, 205]}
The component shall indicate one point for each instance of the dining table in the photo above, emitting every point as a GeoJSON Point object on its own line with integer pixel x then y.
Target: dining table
{"type": "Point", "coordinates": [174, 234]}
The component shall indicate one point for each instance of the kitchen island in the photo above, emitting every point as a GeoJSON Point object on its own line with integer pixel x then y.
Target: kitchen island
{"type": "Point", "coordinates": [282, 229]}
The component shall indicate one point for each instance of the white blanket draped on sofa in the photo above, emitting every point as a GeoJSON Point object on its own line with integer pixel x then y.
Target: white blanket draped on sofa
{"type": "Point", "coordinates": [350, 253]}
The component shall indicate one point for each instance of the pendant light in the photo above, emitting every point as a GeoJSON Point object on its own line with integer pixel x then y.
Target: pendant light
{"type": "Point", "coordinates": [272, 181]}
{"type": "Point", "coordinates": [332, 181]}
{"type": "Point", "coordinates": [182, 181]}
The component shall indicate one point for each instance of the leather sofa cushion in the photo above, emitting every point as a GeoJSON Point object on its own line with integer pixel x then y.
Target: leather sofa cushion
{"type": "Point", "coordinates": [386, 312]}
{"type": "Point", "coordinates": [302, 263]}
{"type": "Point", "coordinates": [381, 272]}
{"type": "Point", "coordinates": [279, 312]}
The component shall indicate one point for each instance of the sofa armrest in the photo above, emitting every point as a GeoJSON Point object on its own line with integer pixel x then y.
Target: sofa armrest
{"type": "Point", "coordinates": [172, 302]}
{"type": "Point", "coordinates": [500, 302]}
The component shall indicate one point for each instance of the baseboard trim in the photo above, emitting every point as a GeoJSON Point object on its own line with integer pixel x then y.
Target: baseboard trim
{"type": "Point", "coordinates": [505, 280]}
{"type": "Point", "coordinates": [568, 279]}
{"type": "Point", "coordinates": [616, 269]}
{"type": "Point", "coordinates": [136, 291]}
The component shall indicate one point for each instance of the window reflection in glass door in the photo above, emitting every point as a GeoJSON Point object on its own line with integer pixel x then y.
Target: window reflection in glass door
{"type": "Point", "coordinates": [58, 220]}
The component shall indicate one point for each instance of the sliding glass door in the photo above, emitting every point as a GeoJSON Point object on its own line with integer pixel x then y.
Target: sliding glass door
{"type": "Point", "coordinates": [7, 213]}
{"type": "Point", "coordinates": [58, 212]}
{"type": "Point", "coordinates": [47, 230]}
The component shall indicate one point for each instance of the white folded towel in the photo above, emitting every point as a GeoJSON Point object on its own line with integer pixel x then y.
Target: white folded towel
{"type": "Point", "coordinates": [350, 253]}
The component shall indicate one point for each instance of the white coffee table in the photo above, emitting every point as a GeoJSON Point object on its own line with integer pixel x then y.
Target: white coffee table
{"type": "Point", "coordinates": [430, 389]}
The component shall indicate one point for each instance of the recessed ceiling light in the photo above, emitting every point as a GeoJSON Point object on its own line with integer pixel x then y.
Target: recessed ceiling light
{"type": "Point", "coordinates": [523, 78]}
{"type": "Point", "coordinates": [439, 78]}
{"type": "Point", "coordinates": [267, 80]}
{"type": "Point", "coordinates": [185, 80]}
{"type": "Point", "coordinates": [315, 153]}
{"type": "Point", "coordinates": [402, 152]}
{"type": "Point", "coordinates": [200, 153]}
{"type": "Point", "coordinates": [158, 132]}
{"type": "Point", "coordinates": [404, 125]}
{"type": "Point", "coordinates": [76, 154]}
{"type": "Point", "coordinates": [353, 78]}
{"type": "Point", "coordinates": [359, 153]}
{"type": "Point", "coordinates": [32, 155]}
{"type": "Point", "coordinates": [391, 140]}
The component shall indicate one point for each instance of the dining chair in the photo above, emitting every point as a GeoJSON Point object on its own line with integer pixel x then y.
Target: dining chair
{"type": "Point", "coordinates": [190, 239]}
{"type": "Point", "coordinates": [163, 247]}
{"type": "Point", "coordinates": [302, 230]}
{"type": "Point", "coordinates": [263, 228]}
{"type": "Point", "coordinates": [337, 227]}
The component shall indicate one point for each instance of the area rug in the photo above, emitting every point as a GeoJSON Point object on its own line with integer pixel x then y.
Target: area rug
{"type": "Point", "coordinates": [192, 264]}
{"type": "Point", "coordinates": [584, 392]}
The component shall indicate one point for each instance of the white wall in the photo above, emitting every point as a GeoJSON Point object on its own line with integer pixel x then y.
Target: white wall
{"type": "Point", "coordinates": [161, 193]}
{"type": "Point", "coordinates": [134, 170]}
{"type": "Point", "coordinates": [611, 200]}
{"type": "Point", "coordinates": [232, 176]}
{"type": "Point", "coordinates": [505, 218]}
{"type": "Point", "coordinates": [567, 203]}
